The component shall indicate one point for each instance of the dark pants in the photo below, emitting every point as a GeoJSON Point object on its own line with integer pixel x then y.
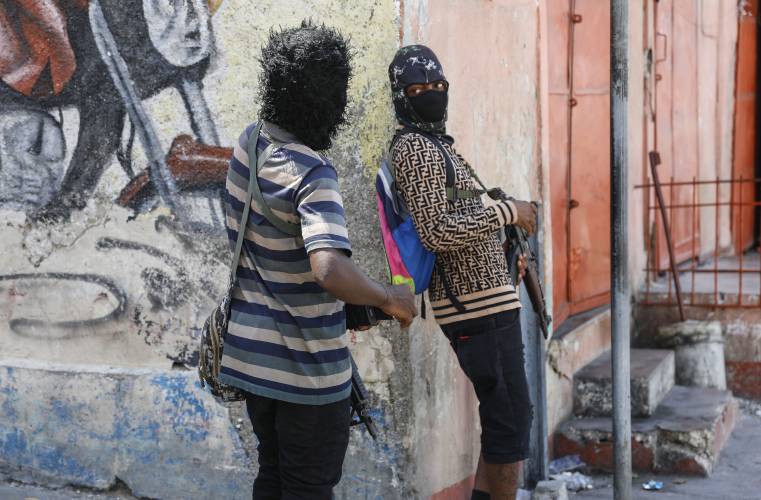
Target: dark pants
{"type": "Point", "coordinates": [301, 448]}
{"type": "Point", "coordinates": [490, 352]}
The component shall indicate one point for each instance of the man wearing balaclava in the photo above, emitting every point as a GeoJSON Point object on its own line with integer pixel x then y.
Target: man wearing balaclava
{"type": "Point", "coordinates": [286, 343]}
{"type": "Point", "coordinates": [472, 295]}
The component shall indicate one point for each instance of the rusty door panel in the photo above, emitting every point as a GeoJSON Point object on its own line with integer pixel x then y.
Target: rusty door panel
{"type": "Point", "coordinates": [590, 220]}
{"type": "Point", "coordinates": [664, 56]}
{"type": "Point", "coordinates": [676, 129]}
{"type": "Point", "coordinates": [591, 47]}
{"type": "Point", "coordinates": [745, 127]}
{"type": "Point", "coordinates": [559, 115]}
{"type": "Point", "coordinates": [684, 97]}
{"type": "Point", "coordinates": [589, 259]}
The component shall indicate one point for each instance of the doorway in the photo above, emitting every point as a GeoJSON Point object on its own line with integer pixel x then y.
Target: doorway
{"type": "Point", "coordinates": [579, 129]}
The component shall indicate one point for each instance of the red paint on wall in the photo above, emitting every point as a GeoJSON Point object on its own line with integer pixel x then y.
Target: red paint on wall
{"type": "Point", "coordinates": [36, 57]}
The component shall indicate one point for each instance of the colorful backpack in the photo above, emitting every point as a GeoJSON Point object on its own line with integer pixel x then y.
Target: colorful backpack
{"type": "Point", "coordinates": [409, 261]}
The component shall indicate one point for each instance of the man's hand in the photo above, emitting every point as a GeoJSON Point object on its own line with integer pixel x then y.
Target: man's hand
{"type": "Point", "coordinates": [335, 273]}
{"type": "Point", "coordinates": [526, 215]}
{"type": "Point", "coordinates": [522, 266]}
{"type": "Point", "coordinates": [400, 303]}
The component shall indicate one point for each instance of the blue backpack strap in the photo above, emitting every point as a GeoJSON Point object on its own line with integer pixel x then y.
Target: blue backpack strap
{"type": "Point", "coordinates": [451, 190]}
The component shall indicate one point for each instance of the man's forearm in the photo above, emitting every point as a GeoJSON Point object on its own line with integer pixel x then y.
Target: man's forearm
{"type": "Point", "coordinates": [449, 231]}
{"type": "Point", "coordinates": [338, 275]}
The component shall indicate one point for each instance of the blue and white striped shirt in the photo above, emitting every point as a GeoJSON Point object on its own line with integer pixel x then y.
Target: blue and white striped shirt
{"type": "Point", "coordinates": [287, 336]}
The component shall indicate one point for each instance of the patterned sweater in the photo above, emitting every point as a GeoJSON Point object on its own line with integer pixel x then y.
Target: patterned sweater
{"type": "Point", "coordinates": [463, 233]}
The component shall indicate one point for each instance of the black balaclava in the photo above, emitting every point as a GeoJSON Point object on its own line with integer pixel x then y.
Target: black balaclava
{"type": "Point", "coordinates": [428, 111]}
{"type": "Point", "coordinates": [305, 72]}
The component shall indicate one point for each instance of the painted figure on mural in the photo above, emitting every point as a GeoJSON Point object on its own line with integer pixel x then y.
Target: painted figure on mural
{"type": "Point", "coordinates": [50, 61]}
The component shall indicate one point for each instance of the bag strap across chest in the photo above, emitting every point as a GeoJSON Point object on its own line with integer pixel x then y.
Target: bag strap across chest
{"type": "Point", "coordinates": [287, 227]}
{"type": "Point", "coordinates": [252, 184]}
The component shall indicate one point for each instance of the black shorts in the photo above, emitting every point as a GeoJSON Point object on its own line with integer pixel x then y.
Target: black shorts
{"type": "Point", "coordinates": [490, 352]}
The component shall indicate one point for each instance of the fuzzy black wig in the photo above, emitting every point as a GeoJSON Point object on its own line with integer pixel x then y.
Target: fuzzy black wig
{"type": "Point", "coordinates": [304, 80]}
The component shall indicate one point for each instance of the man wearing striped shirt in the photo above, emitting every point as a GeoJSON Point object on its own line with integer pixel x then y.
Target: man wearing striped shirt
{"type": "Point", "coordinates": [472, 294]}
{"type": "Point", "coordinates": [286, 344]}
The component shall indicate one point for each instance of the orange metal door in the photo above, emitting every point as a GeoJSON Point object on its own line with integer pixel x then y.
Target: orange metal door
{"type": "Point", "coordinates": [579, 76]}
{"type": "Point", "coordinates": [745, 127]}
{"type": "Point", "coordinates": [589, 224]}
{"type": "Point", "coordinates": [676, 122]}
{"type": "Point", "coordinates": [559, 127]}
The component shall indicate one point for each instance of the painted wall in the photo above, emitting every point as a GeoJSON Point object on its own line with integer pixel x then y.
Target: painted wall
{"type": "Point", "coordinates": [112, 241]}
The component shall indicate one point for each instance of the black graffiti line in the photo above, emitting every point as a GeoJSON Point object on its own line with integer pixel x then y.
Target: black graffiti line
{"type": "Point", "coordinates": [103, 281]}
{"type": "Point", "coordinates": [120, 244]}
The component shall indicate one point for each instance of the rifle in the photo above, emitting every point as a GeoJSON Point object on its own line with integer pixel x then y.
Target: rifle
{"type": "Point", "coordinates": [359, 407]}
{"type": "Point", "coordinates": [362, 318]}
{"type": "Point", "coordinates": [518, 244]}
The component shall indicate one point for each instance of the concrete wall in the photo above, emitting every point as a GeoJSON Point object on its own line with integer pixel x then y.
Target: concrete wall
{"type": "Point", "coordinates": [100, 303]}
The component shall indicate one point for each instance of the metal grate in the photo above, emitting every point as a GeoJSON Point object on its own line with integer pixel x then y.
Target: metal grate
{"type": "Point", "coordinates": [724, 277]}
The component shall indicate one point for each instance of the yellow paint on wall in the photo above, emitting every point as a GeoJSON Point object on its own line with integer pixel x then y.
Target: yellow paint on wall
{"type": "Point", "coordinates": [241, 28]}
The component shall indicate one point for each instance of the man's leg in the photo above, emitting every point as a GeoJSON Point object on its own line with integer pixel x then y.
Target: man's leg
{"type": "Point", "coordinates": [504, 480]}
{"type": "Point", "coordinates": [262, 412]}
{"type": "Point", "coordinates": [313, 441]}
{"type": "Point", "coordinates": [504, 460]}
{"type": "Point", "coordinates": [481, 487]}
{"type": "Point", "coordinates": [490, 353]}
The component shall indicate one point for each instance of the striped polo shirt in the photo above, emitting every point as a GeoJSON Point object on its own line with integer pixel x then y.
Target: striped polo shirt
{"type": "Point", "coordinates": [287, 336]}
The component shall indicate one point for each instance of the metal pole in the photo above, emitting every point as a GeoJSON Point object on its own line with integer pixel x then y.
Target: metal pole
{"type": "Point", "coordinates": [534, 341]}
{"type": "Point", "coordinates": [619, 257]}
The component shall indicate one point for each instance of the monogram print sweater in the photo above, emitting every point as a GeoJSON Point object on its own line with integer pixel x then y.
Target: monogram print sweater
{"type": "Point", "coordinates": [462, 233]}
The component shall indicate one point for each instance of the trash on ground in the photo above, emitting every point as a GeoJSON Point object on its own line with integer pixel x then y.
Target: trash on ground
{"type": "Point", "coordinates": [523, 494]}
{"type": "Point", "coordinates": [574, 481]}
{"type": "Point", "coordinates": [680, 481]}
{"type": "Point", "coordinates": [565, 464]}
{"type": "Point", "coordinates": [652, 485]}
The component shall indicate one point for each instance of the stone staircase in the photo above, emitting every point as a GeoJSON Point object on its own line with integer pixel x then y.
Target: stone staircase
{"type": "Point", "coordinates": [675, 429]}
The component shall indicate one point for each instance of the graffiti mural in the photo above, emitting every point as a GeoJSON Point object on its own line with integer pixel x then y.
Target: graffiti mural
{"type": "Point", "coordinates": [100, 61]}
{"type": "Point", "coordinates": [102, 58]}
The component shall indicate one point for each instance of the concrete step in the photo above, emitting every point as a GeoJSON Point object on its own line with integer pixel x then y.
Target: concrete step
{"type": "Point", "coordinates": [684, 436]}
{"type": "Point", "coordinates": [652, 377]}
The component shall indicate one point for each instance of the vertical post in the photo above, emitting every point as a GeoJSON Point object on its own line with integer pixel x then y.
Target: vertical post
{"type": "Point", "coordinates": [536, 469]}
{"type": "Point", "coordinates": [619, 261]}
